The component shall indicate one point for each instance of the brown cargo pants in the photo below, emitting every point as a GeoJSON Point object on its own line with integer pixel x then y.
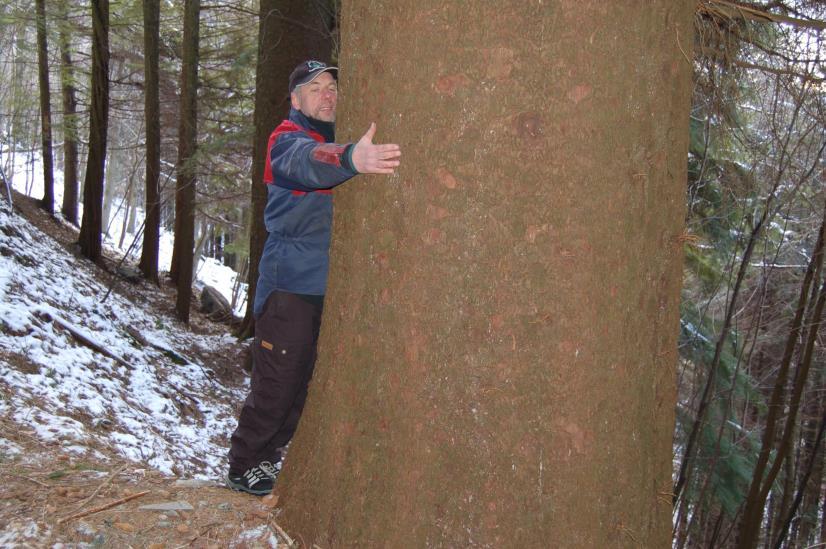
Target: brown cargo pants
{"type": "Point", "coordinates": [283, 354]}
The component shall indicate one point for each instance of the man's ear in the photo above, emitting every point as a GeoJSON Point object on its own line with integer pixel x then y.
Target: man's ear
{"type": "Point", "coordinates": [294, 100]}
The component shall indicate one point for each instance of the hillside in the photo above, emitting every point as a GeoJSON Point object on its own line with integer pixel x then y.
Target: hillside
{"type": "Point", "coordinates": [103, 396]}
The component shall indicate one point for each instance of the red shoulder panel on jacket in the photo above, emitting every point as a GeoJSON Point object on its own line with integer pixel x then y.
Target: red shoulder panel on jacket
{"type": "Point", "coordinates": [285, 126]}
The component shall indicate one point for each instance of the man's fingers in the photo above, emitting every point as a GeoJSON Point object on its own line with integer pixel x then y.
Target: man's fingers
{"type": "Point", "coordinates": [388, 153]}
{"type": "Point", "coordinates": [387, 147]}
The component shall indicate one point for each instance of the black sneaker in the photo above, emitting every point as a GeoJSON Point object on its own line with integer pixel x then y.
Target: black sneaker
{"type": "Point", "coordinates": [254, 481]}
{"type": "Point", "coordinates": [271, 469]}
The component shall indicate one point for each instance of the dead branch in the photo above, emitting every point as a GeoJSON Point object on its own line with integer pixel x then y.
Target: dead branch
{"type": "Point", "coordinates": [282, 533]}
{"type": "Point", "coordinates": [137, 336]}
{"type": "Point", "coordinates": [103, 507]}
{"type": "Point", "coordinates": [99, 488]}
{"type": "Point", "coordinates": [82, 338]}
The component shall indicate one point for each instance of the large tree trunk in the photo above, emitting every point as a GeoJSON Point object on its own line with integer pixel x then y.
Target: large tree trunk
{"type": "Point", "coordinates": [497, 357]}
{"type": "Point", "coordinates": [288, 33]}
{"type": "Point", "coordinates": [47, 202]}
{"type": "Point", "coordinates": [152, 111]}
{"type": "Point", "coordinates": [92, 222]}
{"type": "Point", "coordinates": [70, 133]}
{"type": "Point", "coordinates": [185, 182]}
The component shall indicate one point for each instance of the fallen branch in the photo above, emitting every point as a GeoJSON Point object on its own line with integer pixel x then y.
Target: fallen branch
{"type": "Point", "coordinates": [103, 507]}
{"type": "Point", "coordinates": [176, 357]}
{"type": "Point", "coordinates": [99, 488]}
{"type": "Point", "coordinates": [200, 534]}
{"type": "Point", "coordinates": [81, 337]}
{"type": "Point", "coordinates": [282, 533]}
{"type": "Point", "coordinates": [35, 481]}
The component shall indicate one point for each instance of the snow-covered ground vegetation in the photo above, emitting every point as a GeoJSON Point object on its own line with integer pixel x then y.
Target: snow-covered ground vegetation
{"type": "Point", "coordinates": [113, 373]}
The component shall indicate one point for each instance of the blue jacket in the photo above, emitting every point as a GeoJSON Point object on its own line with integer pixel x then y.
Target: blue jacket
{"type": "Point", "coordinates": [303, 166]}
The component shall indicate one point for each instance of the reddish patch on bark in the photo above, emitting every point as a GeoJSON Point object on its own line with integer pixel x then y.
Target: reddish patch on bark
{"type": "Point", "coordinates": [497, 322]}
{"type": "Point", "coordinates": [579, 92]}
{"type": "Point", "coordinates": [449, 83]}
{"type": "Point", "coordinates": [384, 299]}
{"type": "Point", "coordinates": [446, 178]}
{"type": "Point", "coordinates": [382, 260]}
{"type": "Point", "coordinates": [433, 236]}
{"type": "Point", "coordinates": [436, 212]}
{"type": "Point", "coordinates": [394, 381]}
{"type": "Point", "coordinates": [567, 347]}
{"type": "Point", "coordinates": [532, 231]}
{"type": "Point", "coordinates": [578, 438]}
{"type": "Point", "coordinates": [413, 347]}
{"type": "Point", "coordinates": [528, 126]}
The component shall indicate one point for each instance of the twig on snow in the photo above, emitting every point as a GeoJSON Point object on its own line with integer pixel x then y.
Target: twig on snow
{"type": "Point", "coordinates": [82, 338]}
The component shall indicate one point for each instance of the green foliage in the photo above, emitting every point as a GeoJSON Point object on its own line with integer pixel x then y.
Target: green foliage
{"type": "Point", "coordinates": [705, 266]}
{"type": "Point", "coordinates": [726, 453]}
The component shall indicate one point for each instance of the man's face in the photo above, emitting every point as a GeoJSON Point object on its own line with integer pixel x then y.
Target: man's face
{"type": "Point", "coordinates": [318, 98]}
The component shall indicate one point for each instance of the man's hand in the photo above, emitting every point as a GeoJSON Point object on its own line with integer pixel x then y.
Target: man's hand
{"type": "Point", "coordinates": [370, 158]}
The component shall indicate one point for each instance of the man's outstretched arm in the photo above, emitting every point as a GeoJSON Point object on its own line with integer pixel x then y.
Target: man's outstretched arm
{"type": "Point", "coordinates": [297, 157]}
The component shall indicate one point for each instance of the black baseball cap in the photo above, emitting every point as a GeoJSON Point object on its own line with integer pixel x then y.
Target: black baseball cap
{"type": "Point", "coordinates": [308, 71]}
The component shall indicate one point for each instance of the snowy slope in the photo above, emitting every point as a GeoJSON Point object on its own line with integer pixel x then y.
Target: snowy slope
{"type": "Point", "coordinates": [173, 417]}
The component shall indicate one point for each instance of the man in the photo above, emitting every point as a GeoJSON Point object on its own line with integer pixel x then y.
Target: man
{"type": "Point", "coordinates": [303, 165]}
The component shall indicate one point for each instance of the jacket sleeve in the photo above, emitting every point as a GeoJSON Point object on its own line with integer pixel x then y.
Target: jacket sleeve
{"type": "Point", "coordinates": [297, 157]}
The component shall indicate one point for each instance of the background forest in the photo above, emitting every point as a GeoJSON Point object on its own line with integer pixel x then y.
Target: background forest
{"type": "Point", "coordinates": [190, 90]}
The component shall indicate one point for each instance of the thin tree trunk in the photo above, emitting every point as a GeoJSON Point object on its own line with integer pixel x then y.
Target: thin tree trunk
{"type": "Point", "coordinates": [761, 483]}
{"type": "Point", "coordinates": [113, 172]}
{"type": "Point", "coordinates": [182, 253]}
{"type": "Point", "coordinates": [288, 33]}
{"type": "Point", "coordinates": [47, 202]}
{"type": "Point", "coordinates": [128, 206]}
{"type": "Point", "coordinates": [70, 130]}
{"type": "Point", "coordinates": [802, 489]}
{"type": "Point", "coordinates": [496, 365]}
{"type": "Point", "coordinates": [152, 223]}
{"type": "Point", "coordinates": [199, 250]}
{"type": "Point", "coordinates": [92, 223]}
{"type": "Point", "coordinates": [817, 456]}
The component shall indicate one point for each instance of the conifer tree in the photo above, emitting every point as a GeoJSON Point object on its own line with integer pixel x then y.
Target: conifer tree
{"type": "Point", "coordinates": [92, 224]}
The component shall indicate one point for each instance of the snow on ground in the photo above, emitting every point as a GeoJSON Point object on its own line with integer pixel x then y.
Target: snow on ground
{"type": "Point", "coordinates": [144, 405]}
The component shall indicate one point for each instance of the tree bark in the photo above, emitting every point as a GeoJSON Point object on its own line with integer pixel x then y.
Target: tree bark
{"type": "Point", "coordinates": [288, 33]}
{"type": "Point", "coordinates": [182, 251]}
{"type": "Point", "coordinates": [497, 358]}
{"type": "Point", "coordinates": [92, 222]}
{"type": "Point", "coordinates": [152, 111]}
{"type": "Point", "coordinates": [47, 202]}
{"type": "Point", "coordinates": [70, 131]}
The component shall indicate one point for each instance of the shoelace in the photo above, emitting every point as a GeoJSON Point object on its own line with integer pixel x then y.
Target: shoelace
{"type": "Point", "coordinates": [270, 469]}
{"type": "Point", "coordinates": [254, 476]}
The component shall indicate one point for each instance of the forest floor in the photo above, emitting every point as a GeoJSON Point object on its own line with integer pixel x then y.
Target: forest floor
{"type": "Point", "coordinates": [102, 452]}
